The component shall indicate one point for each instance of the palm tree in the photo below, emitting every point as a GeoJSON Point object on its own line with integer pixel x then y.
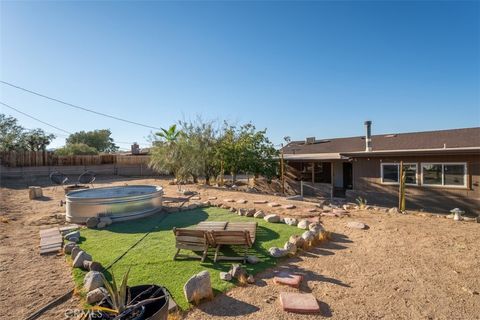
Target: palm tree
{"type": "Point", "coordinates": [170, 135]}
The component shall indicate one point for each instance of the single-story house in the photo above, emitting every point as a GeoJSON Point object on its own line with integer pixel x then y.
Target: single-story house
{"type": "Point", "coordinates": [442, 168]}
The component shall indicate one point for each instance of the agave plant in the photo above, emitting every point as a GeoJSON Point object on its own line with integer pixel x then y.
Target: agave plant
{"type": "Point", "coordinates": [119, 296]}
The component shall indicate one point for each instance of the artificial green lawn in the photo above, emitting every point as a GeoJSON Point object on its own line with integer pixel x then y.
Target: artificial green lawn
{"type": "Point", "coordinates": [151, 261]}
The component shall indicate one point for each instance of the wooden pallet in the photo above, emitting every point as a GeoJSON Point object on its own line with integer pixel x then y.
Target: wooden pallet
{"type": "Point", "coordinates": [51, 240]}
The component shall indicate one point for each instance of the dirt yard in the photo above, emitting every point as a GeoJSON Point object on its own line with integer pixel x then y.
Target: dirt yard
{"type": "Point", "coordinates": [402, 267]}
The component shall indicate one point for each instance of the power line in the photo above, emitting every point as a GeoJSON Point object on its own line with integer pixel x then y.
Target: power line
{"type": "Point", "coordinates": [78, 107]}
{"type": "Point", "coordinates": [51, 125]}
{"type": "Point", "coordinates": [32, 117]}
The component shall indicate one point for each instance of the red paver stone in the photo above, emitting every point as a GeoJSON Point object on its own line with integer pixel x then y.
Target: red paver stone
{"type": "Point", "coordinates": [299, 302]}
{"type": "Point", "coordinates": [289, 279]}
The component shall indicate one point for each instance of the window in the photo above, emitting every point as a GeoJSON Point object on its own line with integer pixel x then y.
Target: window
{"type": "Point", "coordinates": [390, 173]}
{"type": "Point", "coordinates": [444, 174]}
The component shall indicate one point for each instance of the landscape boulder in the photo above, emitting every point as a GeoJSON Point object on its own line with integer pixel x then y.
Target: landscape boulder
{"type": "Point", "coordinates": [74, 239]}
{"type": "Point", "coordinates": [297, 240]}
{"type": "Point", "coordinates": [96, 295]}
{"type": "Point", "coordinates": [92, 265]}
{"type": "Point", "coordinates": [356, 225]}
{"type": "Point", "coordinates": [308, 236]}
{"type": "Point", "coordinates": [290, 247]}
{"type": "Point", "coordinates": [303, 224]}
{"type": "Point", "coordinates": [74, 234]}
{"type": "Point", "coordinates": [241, 201]}
{"type": "Point", "coordinates": [67, 248]}
{"type": "Point", "coordinates": [241, 212]}
{"type": "Point", "coordinates": [92, 280]}
{"type": "Point", "coordinates": [290, 221]}
{"type": "Point", "coordinates": [80, 258]}
{"type": "Point", "coordinates": [225, 276]}
{"type": "Point", "coordinates": [232, 209]}
{"type": "Point", "coordinates": [92, 222]}
{"type": "Point", "coordinates": [277, 252]}
{"type": "Point", "coordinates": [75, 251]}
{"type": "Point", "coordinates": [250, 212]}
{"type": "Point", "coordinates": [393, 210]}
{"type": "Point", "coordinates": [259, 214]}
{"type": "Point", "coordinates": [251, 279]}
{"type": "Point", "coordinates": [237, 271]}
{"type": "Point", "coordinates": [273, 218]}
{"type": "Point", "coordinates": [198, 287]}
{"type": "Point", "coordinates": [253, 259]}
{"type": "Point", "coordinates": [316, 228]}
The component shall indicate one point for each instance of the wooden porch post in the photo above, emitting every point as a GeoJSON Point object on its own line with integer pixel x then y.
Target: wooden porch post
{"type": "Point", "coordinates": [313, 172]}
{"type": "Point", "coordinates": [332, 174]}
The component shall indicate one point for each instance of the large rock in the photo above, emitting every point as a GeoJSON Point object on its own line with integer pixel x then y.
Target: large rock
{"type": "Point", "coordinates": [198, 287]}
{"type": "Point", "coordinates": [96, 295]}
{"type": "Point", "coordinates": [80, 258]}
{"type": "Point", "coordinates": [273, 218]}
{"type": "Point", "coordinates": [316, 228]}
{"type": "Point", "coordinates": [92, 280]}
{"type": "Point", "coordinates": [225, 276]}
{"type": "Point", "coordinates": [67, 248]}
{"type": "Point", "coordinates": [290, 247]}
{"type": "Point", "coordinates": [277, 252]}
{"type": "Point", "coordinates": [242, 212]}
{"type": "Point", "coordinates": [75, 251]}
{"type": "Point", "coordinates": [356, 225]}
{"type": "Point", "coordinates": [303, 224]}
{"type": "Point", "coordinates": [92, 265]}
{"type": "Point", "coordinates": [74, 234]}
{"type": "Point", "coordinates": [308, 236]}
{"type": "Point", "coordinates": [297, 240]}
{"type": "Point", "coordinates": [259, 214]}
{"type": "Point", "coordinates": [92, 222]}
{"type": "Point", "coordinates": [253, 259]}
{"type": "Point", "coordinates": [393, 210]}
{"type": "Point", "coordinates": [251, 279]}
{"type": "Point", "coordinates": [232, 209]}
{"type": "Point", "coordinates": [250, 212]}
{"type": "Point", "coordinates": [237, 271]}
{"type": "Point", "coordinates": [290, 221]}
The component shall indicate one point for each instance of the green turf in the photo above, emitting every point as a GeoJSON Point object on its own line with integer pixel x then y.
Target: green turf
{"type": "Point", "coordinates": [151, 261]}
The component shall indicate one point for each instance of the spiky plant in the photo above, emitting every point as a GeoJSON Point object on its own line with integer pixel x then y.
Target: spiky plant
{"type": "Point", "coordinates": [119, 296]}
{"type": "Point", "coordinates": [362, 202]}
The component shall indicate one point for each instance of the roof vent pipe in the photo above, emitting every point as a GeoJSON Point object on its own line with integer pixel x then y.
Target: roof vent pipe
{"type": "Point", "coordinates": [368, 136]}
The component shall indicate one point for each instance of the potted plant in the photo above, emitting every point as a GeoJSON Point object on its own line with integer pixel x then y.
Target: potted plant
{"type": "Point", "coordinates": [144, 302]}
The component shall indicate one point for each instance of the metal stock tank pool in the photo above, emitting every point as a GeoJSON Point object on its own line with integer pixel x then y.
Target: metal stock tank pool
{"type": "Point", "coordinates": [118, 203]}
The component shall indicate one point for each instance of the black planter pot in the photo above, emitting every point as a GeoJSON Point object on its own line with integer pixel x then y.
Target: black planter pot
{"type": "Point", "coordinates": [157, 310]}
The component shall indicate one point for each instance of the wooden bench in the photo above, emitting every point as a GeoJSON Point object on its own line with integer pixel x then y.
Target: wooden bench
{"type": "Point", "coordinates": [191, 239]}
{"type": "Point", "coordinates": [235, 234]}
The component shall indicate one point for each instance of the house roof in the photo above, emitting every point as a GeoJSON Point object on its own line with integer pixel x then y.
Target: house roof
{"type": "Point", "coordinates": [454, 139]}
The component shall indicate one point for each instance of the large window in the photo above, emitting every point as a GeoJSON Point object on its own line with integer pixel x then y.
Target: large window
{"type": "Point", "coordinates": [390, 173]}
{"type": "Point", "coordinates": [444, 174]}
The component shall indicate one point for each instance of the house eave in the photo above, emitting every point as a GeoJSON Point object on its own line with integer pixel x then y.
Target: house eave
{"type": "Point", "coordinates": [423, 152]}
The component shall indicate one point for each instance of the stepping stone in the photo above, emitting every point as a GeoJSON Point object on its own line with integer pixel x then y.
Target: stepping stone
{"type": "Point", "coordinates": [289, 206]}
{"type": "Point", "coordinates": [288, 279]}
{"type": "Point", "coordinates": [310, 210]}
{"type": "Point", "coordinates": [299, 302]}
{"type": "Point", "coordinates": [273, 204]}
{"type": "Point", "coordinates": [356, 225]}
{"type": "Point", "coordinates": [340, 212]}
{"type": "Point", "coordinates": [195, 198]}
{"type": "Point", "coordinates": [212, 198]}
{"type": "Point", "coordinates": [241, 201]}
{"type": "Point", "coordinates": [168, 201]}
{"type": "Point", "coordinates": [260, 201]}
{"type": "Point", "coordinates": [228, 200]}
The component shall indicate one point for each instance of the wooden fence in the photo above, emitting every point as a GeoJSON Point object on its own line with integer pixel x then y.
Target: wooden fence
{"type": "Point", "coordinates": [47, 158]}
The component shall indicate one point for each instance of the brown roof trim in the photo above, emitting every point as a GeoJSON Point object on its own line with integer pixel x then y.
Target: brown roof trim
{"type": "Point", "coordinates": [442, 151]}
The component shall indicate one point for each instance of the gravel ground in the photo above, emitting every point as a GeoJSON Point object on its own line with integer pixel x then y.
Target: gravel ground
{"type": "Point", "coordinates": [414, 266]}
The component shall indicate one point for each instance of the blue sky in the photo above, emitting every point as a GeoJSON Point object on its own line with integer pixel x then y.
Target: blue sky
{"type": "Point", "coordinates": [296, 68]}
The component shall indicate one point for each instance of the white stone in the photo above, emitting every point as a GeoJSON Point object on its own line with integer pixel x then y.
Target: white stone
{"type": "Point", "coordinates": [356, 225]}
{"type": "Point", "coordinates": [259, 214]}
{"type": "Point", "coordinates": [290, 221]}
{"type": "Point", "coordinates": [198, 286]}
{"type": "Point", "coordinates": [273, 218]}
{"type": "Point", "coordinates": [303, 224]}
{"type": "Point", "coordinates": [277, 252]}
